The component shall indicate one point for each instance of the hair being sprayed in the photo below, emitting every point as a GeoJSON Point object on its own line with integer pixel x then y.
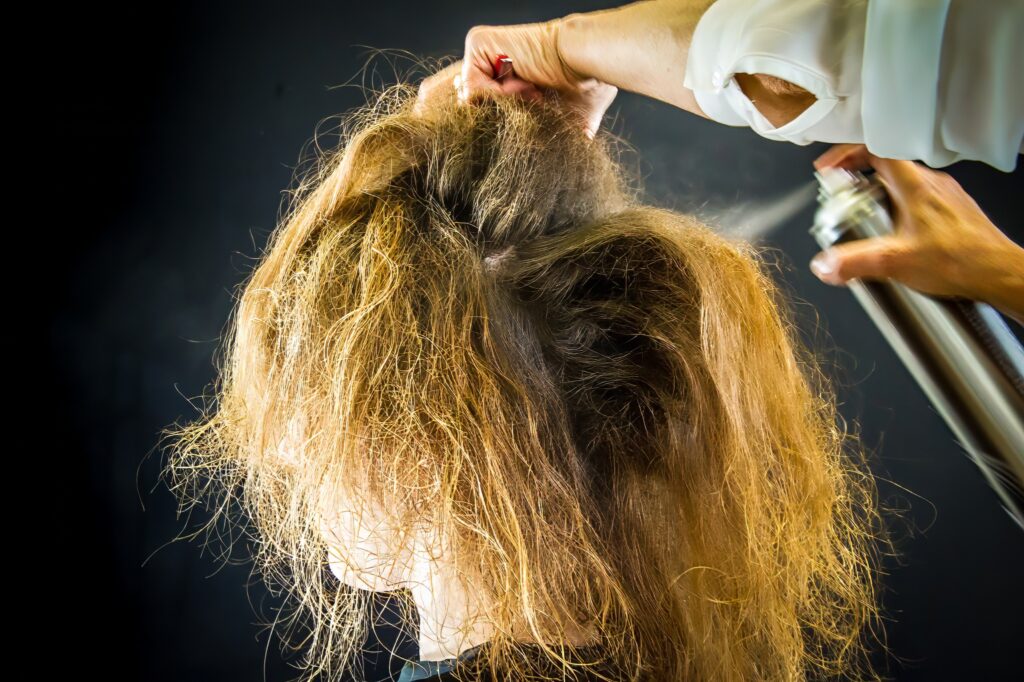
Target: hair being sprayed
{"type": "Point", "coordinates": [467, 316]}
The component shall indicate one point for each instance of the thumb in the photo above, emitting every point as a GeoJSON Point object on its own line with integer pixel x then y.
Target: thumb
{"type": "Point", "coordinates": [864, 258]}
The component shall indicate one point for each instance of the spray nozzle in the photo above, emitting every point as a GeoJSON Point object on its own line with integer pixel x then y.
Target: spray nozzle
{"type": "Point", "coordinates": [834, 180]}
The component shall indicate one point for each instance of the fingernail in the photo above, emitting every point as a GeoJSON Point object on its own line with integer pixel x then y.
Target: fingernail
{"type": "Point", "coordinates": [823, 266]}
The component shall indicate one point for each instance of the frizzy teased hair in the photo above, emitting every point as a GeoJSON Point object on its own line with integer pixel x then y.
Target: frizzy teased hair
{"type": "Point", "coordinates": [468, 316]}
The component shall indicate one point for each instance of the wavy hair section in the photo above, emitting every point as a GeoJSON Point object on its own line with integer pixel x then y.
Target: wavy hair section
{"type": "Point", "coordinates": [468, 316]}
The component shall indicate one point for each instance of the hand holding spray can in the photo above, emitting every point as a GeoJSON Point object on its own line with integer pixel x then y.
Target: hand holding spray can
{"type": "Point", "coordinates": [960, 352]}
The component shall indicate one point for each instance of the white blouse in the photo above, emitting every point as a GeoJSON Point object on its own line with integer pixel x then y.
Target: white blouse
{"type": "Point", "coordinates": [932, 80]}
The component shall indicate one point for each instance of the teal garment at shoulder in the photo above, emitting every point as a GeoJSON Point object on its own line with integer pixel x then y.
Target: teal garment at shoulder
{"type": "Point", "coordinates": [425, 670]}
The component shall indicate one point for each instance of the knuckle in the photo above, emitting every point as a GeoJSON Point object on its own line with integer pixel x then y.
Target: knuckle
{"type": "Point", "coordinates": [843, 267]}
{"type": "Point", "coordinates": [887, 262]}
{"type": "Point", "coordinates": [476, 33]}
{"type": "Point", "coordinates": [841, 270]}
{"type": "Point", "coordinates": [900, 257]}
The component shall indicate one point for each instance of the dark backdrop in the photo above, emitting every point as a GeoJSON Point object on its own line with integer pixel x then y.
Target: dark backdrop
{"type": "Point", "coordinates": [188, 122]}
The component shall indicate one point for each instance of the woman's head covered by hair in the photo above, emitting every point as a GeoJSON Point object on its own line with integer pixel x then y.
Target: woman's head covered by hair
{"type": "Point", "coordinates": [467, 315]}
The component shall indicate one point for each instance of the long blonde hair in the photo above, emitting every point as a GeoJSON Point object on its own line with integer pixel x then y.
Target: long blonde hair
{"type": "Point", "coordinates": [603, 405]}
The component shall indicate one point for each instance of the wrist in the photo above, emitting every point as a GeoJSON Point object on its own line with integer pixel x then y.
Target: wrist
{"type": "Point", "coordinates": [640, 47]}
{"type": "Point", "coordinates": [606, 44]}
{"type": "Point", "coordinates": [999, 279]}
{"type": "Point", "coordinates": [570, 39]}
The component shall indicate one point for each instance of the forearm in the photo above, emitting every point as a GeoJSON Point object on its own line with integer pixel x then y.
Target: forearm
{"type": "Point", "coordinates": [640, 47]}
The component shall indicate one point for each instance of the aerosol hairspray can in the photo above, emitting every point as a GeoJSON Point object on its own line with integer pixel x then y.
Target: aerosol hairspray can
{"type": "Point", "coordinates": [961, 352]}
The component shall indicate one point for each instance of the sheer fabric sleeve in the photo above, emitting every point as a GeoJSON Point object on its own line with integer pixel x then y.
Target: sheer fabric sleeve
{"type": "Point", "coordinates": [942, 81]}
{"type": "Point", "coordinates": [816, 44]}
{"type": "Point", "coordinates": [930, 80]}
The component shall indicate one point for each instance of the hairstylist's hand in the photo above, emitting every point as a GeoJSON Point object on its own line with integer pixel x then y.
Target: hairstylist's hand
{"type": "Point", "coordinates": [436, 86]}
{"type": "Point", "coordinates": [441, 85]}
{"type": "Point", "coordinates": [943, 244]}
{"type": "Point", "coordinates": [536, 65]}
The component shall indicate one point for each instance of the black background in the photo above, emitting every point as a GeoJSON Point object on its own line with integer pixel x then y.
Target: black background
{"type": "Point", "coordinates": [187, 123]}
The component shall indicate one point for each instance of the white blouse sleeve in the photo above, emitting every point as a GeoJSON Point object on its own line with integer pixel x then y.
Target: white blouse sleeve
{"type": "Point", "coordinates": [933, 80]}
{"type": "Point", "coordinates": [816, 44]}
{"type": "Point", "coordinates": [942, 81]}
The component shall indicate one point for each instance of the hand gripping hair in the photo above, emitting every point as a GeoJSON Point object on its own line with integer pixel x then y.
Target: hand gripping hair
{"type": "Point", "coordinates": [468, 320]}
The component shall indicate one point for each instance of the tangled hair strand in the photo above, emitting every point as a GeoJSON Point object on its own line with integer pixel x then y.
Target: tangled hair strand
{"type": "Point", "coordinates": [468, 317]}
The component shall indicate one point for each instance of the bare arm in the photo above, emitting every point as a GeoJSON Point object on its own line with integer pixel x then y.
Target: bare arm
{"type": "Point", "coordinates": [642, 47]}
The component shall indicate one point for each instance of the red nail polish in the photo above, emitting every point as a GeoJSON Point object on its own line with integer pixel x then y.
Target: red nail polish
{"type": "Point", "coordinates": [501, 67]}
